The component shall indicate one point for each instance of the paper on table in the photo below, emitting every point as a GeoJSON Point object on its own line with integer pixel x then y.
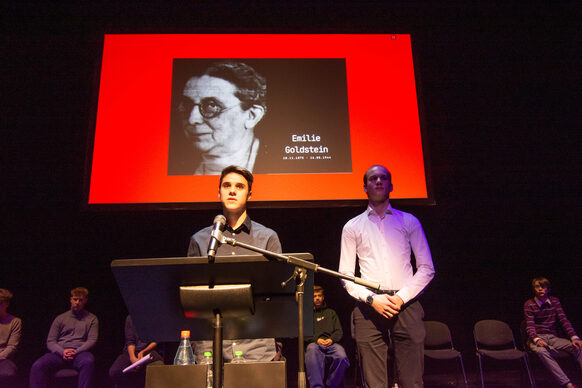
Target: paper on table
{"type": "Point", "coordinates": [139, 362]}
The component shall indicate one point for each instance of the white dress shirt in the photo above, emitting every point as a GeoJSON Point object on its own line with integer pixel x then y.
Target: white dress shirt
{"type": "Point", "coordinates": [383, 245]}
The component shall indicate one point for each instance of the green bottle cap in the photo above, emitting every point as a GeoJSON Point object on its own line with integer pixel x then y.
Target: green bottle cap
{"type": "Point", "coordinates": [238, 353]}
{"type": "Point", "coordinates": [207, 354]}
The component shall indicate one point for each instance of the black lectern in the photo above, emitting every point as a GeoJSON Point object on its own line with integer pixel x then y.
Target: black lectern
{"type": "Point", "coordinates": [151, 291]}
{"type": "Point", "coordinates": [243, 294]}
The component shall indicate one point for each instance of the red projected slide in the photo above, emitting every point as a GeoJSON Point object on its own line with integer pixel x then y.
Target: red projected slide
{"type": "Point", "coordinates": [307, 114]}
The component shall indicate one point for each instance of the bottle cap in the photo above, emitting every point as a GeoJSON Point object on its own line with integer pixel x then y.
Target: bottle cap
{"type": "Point", "coordinates": [185, 334]}
{"type": "Point", "coordinates": [238, 353]}
{"type": "Point", "coordinates": [207, 354]}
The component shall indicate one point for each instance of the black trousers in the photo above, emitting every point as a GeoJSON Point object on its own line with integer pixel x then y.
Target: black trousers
{"type": "Point", "coordinates": [405, 332]}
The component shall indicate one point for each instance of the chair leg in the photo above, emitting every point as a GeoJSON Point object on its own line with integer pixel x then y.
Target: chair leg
{"type": "Point", "coordinates": [481, 371]}
{"type": "Point", "coordinates": [532, 381]}
{"type": "Point", "coordinates": [463, 370]}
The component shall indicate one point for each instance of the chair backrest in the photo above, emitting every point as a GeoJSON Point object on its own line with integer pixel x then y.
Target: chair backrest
{"type": "Point", "coordinates": [437, 335]}
{"type": "Point", "coordinates": [493, 333]}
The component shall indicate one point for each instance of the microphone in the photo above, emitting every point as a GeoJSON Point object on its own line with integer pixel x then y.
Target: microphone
{"type": "Point", "coordinates": [216, 236]}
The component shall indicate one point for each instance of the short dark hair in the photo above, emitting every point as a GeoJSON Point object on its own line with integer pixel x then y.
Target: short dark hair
{"type": "Point", "coordinates": [376, 165]}
{"type": "Point", "coordinates": [237, 170]}
{"type": "Point", "coordinates": [80, 291]}
{"type": "Point", "coordinates": [318, 289]}
{"type": "Point", "coordinates": [251, 86]}
{"type": "Point", "coordinates": [544, 282]}
{"type": "Point", "coordinates": [5, 295]}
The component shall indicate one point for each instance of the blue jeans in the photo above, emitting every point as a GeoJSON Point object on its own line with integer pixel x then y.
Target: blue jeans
{"type": "Point", "coordinates": [45, 367]}
{"type": "Point", "coordinates": [315, 356]}
{"type": "Point", "coordinates": [547, 355]}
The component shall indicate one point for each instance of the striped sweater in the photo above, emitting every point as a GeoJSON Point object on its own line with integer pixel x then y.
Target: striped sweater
{"type": "Point", "coordinates": [546, 319]}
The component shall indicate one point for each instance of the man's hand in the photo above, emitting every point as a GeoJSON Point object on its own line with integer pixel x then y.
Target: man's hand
{"type": "Point", "coordinates": [387, 306]}
{"type": "Point", "coordinates": [324, 342]}
{"type": "Point", "coordinates": [541, 343]}
{"type": "Point", "coordinates": [69, 354]}
{"type": "Point", "coordinates": [577, 343]}
{"type": "Point", "coordinates": [132, 357]}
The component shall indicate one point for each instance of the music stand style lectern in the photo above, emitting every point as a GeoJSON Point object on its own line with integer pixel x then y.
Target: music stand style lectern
{"type": "Point", "coordinates": [244, 292]}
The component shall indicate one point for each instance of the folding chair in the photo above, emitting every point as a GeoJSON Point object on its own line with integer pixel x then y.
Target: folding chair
{"type": "Point", "coordinates": [438, 345]}
{"type": "Point", "coordinates": [494, 339]}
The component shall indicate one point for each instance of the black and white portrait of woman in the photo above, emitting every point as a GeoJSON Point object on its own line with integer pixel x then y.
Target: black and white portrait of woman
{"type": "Point", "coordinates": [219, 116]}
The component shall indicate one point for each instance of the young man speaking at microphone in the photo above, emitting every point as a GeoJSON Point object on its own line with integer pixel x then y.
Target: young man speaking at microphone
{"type": "Point", "coordinates": [234, 190]}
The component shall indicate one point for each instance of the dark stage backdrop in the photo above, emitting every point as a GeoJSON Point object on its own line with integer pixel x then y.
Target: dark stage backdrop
{"type": "Point", "coordinates": [501, 102]}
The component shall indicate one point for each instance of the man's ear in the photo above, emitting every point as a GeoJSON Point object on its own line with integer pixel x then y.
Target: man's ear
{"type": "Point", "coordinates": [249, 195]}
{"type": "Point", "coordinates": [254, 114]}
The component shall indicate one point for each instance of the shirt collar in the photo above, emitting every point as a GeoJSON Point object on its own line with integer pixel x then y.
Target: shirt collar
{"type": "Point", "coordinates": [245, 226]}
{"type": "Point", "coordinates": [540, 303]}
{"type": "Point", "coordinates": [370, 211]}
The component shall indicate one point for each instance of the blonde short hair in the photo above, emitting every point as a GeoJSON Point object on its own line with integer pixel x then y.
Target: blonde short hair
{"type": "Point", "coordinates": [5, 295]}
{"type": "Point", "coordinates": [80, 291]}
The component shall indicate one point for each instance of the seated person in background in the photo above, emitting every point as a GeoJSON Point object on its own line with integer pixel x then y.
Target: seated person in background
{"type": "Point", "coordinates": [71, 336]}
{"type": "Point", "coordinates": [234, 190]}
{"type": "Point", "coordinates": [10, 330]}
{"type": "Point", "coordinates": [327, 331]}
{"type": "Point", "coordinates": [135, 349]}
{"type": "Point", "coordinates": [544, 316]}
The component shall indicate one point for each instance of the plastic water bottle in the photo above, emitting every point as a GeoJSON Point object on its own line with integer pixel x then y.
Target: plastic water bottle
{"type": "Point", "coordinates": [184, 355]}
{"type": "Point", "coordinates": [238, 357]}
{"type": "Point", "coordinates": [237, 354]}
{"type": "Point", "coordinates": [207, 360]}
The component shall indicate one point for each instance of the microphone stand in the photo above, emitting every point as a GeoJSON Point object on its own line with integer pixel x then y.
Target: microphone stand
{"type": "Point", "coordinates": [300, 274]}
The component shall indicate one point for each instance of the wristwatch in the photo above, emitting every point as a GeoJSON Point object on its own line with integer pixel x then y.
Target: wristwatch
{"type": "Point", "coordinates": [370, 298]}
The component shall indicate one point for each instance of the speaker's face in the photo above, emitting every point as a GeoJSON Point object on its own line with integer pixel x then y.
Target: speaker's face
{"type": "Point", "coordinates": [234, 193]}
